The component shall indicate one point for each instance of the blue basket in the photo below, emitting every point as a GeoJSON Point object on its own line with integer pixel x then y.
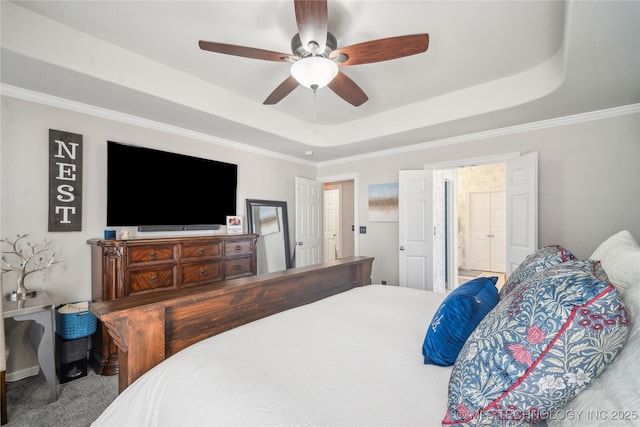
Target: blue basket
{"type": "Point", "coordinates": [75, 325]}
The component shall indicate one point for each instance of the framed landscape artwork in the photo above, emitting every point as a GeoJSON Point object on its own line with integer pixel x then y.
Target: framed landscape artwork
{"type": "Point", "coordinates": [383, 202]}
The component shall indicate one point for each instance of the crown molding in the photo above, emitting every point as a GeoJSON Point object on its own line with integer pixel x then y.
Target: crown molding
{"type": "Point", "coordinates": [474, 161]}
{"type": "Point", "coordinates": [54, 101]}
{"type": "Point", "coordinates": [103, 113]}
{"type": "Point", "coordinates": [510, 130]}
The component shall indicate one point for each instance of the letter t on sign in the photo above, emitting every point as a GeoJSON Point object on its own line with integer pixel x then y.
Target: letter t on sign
{"type": "Point", "coordinates": [65, 181]}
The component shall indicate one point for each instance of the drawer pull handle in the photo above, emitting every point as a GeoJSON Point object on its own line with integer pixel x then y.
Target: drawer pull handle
{"type": "Point", "coordinates": [203, 251]}
{"type": "Point", "coordinates": [203, 273]}
{"type": "Point", "coordinates": [153, 279]}
{"type": "Point", "coordinates": [153, 255]}
{"type": "Point", "coordinates": [237, 267]}
{"type": "Point", "coordinates": [238, 248]}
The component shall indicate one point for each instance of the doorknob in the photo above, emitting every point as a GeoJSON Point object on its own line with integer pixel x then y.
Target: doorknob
{"type": "Point", "coordinates": [299, 243]}
{"type": "Point", "coordinates": [402, 248]}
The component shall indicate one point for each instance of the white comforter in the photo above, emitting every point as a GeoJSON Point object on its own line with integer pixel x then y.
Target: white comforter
{"type": "Point", "coordinates": [351, 359]}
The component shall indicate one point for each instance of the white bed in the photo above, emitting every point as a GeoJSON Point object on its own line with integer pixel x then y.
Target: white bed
{"type": "Point", "coordinates": [355, 359]}
{"type": "Point", "coordinates": [350, 359]}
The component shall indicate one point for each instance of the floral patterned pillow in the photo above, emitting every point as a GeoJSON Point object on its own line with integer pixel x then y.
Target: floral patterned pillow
{"type": "Point", "coordinates": [540, 346]}
{"type": "Point", "coordinates": [537, 261]}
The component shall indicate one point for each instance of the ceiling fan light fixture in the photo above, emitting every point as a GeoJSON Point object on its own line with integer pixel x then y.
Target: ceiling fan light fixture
{"type": "Point", "coordinates": [314, 72]}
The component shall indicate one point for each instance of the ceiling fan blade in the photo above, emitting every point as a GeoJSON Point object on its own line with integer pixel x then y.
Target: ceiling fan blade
{"type": "Point", "coordinates": [312, 19]}
{"type": "Point", "coordinates": [281, 91]}
{"type": "Point", "coordinates": [247, 52]}
{"type": "Point", "coordinates": [382, 49]}
{"type": "Point", "coordinates": [348, 90]}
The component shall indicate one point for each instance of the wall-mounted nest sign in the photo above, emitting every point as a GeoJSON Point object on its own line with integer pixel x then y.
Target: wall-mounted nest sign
{"type": "Point", "coordinates": [65, 181]}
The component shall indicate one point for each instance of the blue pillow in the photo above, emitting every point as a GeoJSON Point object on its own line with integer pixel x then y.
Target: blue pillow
{"type": "Point", "coordinates": [456, 318]}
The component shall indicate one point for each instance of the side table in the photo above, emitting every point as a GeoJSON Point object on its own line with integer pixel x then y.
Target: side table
{"type": "Point", "coordinates": [39, 309]}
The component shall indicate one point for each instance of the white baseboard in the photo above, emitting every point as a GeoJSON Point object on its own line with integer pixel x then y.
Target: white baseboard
{"type": "Point", "coordinates": [23, 373]}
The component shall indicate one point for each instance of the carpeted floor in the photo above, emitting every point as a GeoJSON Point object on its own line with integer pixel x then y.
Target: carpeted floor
{"type": "Point", "coordinates": [79, 402]}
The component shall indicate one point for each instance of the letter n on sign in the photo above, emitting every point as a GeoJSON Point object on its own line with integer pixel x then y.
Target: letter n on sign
{"type": "Point", "coordinates": [65, 181]}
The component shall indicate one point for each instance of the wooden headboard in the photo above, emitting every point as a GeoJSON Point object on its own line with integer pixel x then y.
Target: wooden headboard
{"type": "Point", "coordinates": [148, 328]}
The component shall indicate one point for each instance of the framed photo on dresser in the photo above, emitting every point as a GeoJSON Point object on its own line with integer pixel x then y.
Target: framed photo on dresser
{"type": "Point", "coordinates": [234, 224]}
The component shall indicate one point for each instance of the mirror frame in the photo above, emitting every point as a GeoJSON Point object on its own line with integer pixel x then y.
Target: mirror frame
{"type": "Point", "coordinates": [251, 203]}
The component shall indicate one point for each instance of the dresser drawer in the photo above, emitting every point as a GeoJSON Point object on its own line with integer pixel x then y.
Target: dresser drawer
{"type": "Point", "coordinates": [241, 247]}
{"type": "Point", "coordinates": [238, 267]}
{"type": "Point", "coordinates": [151, 279]}
{"type": "Point", "coordinates": [201, 250]}
{"type": "Point", "coordinates": [145, 254]}
{"type": "Point", "coordinates": [193, 274]}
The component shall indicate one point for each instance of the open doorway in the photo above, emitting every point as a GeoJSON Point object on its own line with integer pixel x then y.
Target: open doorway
{"type": "Point", "coordinates": [479, 206]}
{"type": "Point", "coordinates": [310, 212]}
{"type": "Point", "coordinates": [339, 223]}
{"type": "Point", "coordinates": [421, 222]}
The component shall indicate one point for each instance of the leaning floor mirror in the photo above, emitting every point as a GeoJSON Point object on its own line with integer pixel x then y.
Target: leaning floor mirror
{"type": "Point", "coordinates": [268, 219]}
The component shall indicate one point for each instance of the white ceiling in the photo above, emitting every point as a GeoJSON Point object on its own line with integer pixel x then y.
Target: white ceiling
{"type": "Point", "coordinates": [489, 65]}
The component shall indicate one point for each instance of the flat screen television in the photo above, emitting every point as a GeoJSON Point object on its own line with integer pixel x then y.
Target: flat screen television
{"type": "Point", "coordinates": [161, 191]}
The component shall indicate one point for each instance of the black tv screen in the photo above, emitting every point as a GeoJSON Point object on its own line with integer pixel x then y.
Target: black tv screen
{"type": "Point", "coordinates": [158, 190]}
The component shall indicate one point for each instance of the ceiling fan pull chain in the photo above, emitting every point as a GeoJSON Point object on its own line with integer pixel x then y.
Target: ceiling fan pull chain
{"type": "Point", "coordinates": [315, 106]}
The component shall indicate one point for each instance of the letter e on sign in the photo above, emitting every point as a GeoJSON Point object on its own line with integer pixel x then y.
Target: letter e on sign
{"type": "Point", "coordinates": [65, 181]}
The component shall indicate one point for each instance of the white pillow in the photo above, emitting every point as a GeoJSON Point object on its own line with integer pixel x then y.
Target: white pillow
{"type": "Point", "coordinates": [620, 258]}
{"type": "Point", "coordinates": [614, 397]}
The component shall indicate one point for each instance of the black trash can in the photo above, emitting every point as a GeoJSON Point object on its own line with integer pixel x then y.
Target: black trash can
{"type": "Point", "coordinates": [71, 358]}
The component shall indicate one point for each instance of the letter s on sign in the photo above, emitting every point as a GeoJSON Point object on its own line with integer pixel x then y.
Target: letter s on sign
{"type": "Point", "coordinates": [65, 193]}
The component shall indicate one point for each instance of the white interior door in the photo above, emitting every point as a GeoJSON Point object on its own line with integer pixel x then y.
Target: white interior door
{"type": "Point", "coordinates": [479, 254]}
{"type": "Point", "coordinates": [487, 231]}
{"type": "Point", "coordinates": [332, 225]}
{"type": "Point", "coordinates": [521, 209]}
{"type": "Point", "coordinates": [308, 222]}
{"type": "Point", "coordinates": [415, 229]}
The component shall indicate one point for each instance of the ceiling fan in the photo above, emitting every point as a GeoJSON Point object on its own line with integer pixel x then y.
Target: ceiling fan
{"type": "Point", "coordinates": [315, 54]}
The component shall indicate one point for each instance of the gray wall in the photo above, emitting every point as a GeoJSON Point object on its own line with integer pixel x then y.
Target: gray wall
{"type": "Point", "coordinates": [24, 173]}
{"type": "Point", "coordinates": [24, 189]}
{"type": "Point", "coordinates": [589, 184]}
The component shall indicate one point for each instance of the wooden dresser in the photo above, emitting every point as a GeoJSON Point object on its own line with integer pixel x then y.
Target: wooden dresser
{"type": "Point", "coordinates": [121, 268]}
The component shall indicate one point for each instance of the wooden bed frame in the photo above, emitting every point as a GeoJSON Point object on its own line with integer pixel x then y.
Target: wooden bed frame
{"type": "Point", "coordinates": [148, 328]}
